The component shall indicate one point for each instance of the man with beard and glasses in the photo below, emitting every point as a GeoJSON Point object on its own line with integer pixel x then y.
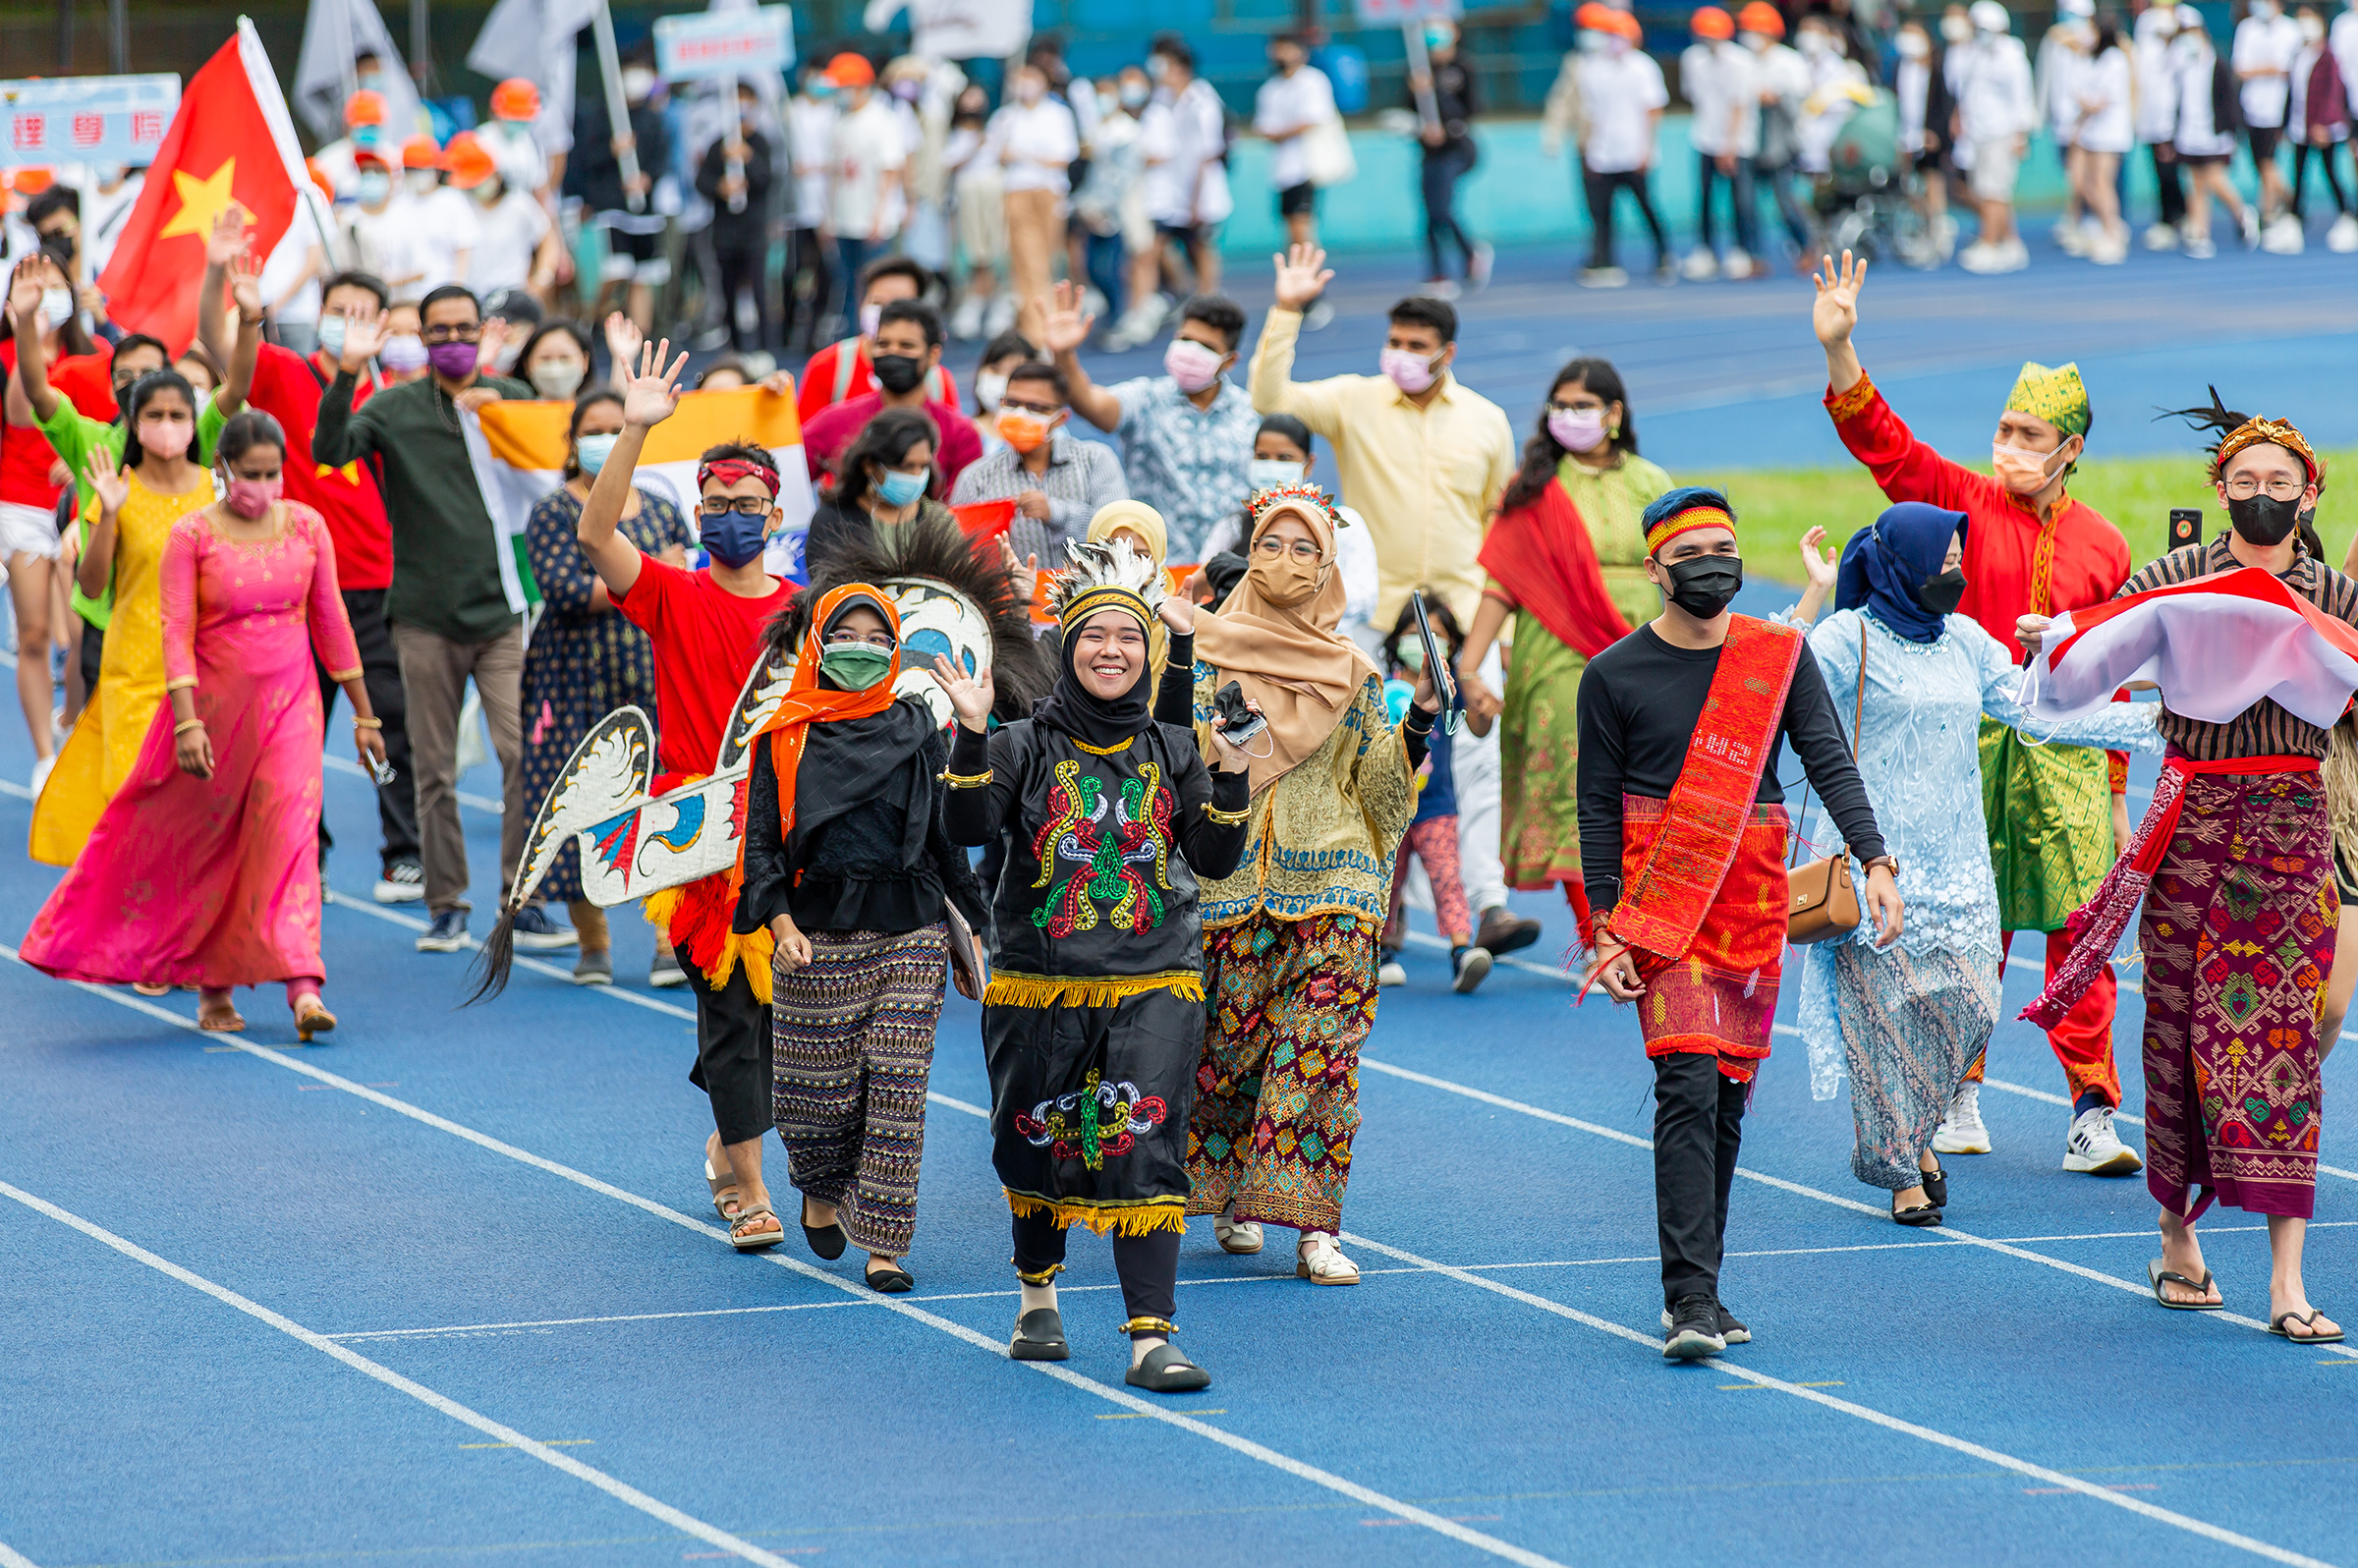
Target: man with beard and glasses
{"type": "Point", "coordinates": [907, 350]}
{"type": "Point", "coordinates": [1683, 834]}
{"type": "Point", "coordinates": [2234, 866]}
{"type": "Point", "coordinates": [2056, 814]}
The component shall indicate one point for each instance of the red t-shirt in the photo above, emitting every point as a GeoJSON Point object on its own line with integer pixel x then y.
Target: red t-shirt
{"type": "Point", "coordinates": [816, 389]}
{"type": "Point", "coordinates": [25, 455]}
{"type": "Point", "coordinates": [827, 435]}
{"type": "Point", "coordinates": [706, 640]}
{"type": "Point", "coordinates": [285, 388]}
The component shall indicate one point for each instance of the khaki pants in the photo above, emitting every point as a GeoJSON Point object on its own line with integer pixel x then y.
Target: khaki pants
{"type": "Point", "coordinates": [1034, 239]}
{"type": "Point", "coordinates": [433, 674]}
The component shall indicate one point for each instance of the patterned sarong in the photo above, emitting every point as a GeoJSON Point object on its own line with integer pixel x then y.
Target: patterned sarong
{"type": "Point", "coordinates": [1719, 998]}
{"type": "Point", "coordinates": [2049, 813]}
{"type": "Point", "coordinates": [2238, 937]}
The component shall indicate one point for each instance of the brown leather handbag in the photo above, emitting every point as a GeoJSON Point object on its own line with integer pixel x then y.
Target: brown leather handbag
{"type": "Point", "coordinates": [1825, 902]}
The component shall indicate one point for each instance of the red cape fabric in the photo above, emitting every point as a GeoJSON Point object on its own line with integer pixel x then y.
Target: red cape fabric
{"type": "Point", "coordinates": [1542, 555]}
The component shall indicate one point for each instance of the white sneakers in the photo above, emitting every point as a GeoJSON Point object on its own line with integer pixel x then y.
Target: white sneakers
{"type": "Point", "coordinates": [2095, 1148]}
{"type": "Point", "coordinates": [2283, 236]}
{"type": "Point", "coordinates": [1698, 266]}
{"type": "Point", "coordinates": [1319, 1261]}
{"type": "Point", "coordinates": [1138, 324]}
{"type": "Point", "coordinates": [1391, 971]}
{"type": "Point", "coordinates": [1985, 259]}
{"type": "Point", "coordinates": [965, 322]}
{"type": "Point", "coordinates": [40, 773]}
{"type": "Point", "coordinates": [2072, 238]}
{"type": "Point", "coordinates": [1961, 1129]}
{"type": "Point", "coordinates": [2161, 236]}
{"type": "Point", "coordinates": [2342, 238]}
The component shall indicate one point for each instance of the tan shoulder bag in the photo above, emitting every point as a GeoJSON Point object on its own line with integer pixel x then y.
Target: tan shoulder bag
{"type": "Point", "coordinates": [1825, 903]}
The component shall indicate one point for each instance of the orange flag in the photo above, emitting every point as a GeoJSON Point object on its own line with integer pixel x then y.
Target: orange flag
{"type": "Point", "coordinates": [231, 142]}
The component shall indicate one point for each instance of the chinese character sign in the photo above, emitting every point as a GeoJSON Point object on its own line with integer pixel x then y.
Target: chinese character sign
{"type": "Point", "coordinates": [86, 119]}
{"type": "Point", "coordinates": [700, 46]}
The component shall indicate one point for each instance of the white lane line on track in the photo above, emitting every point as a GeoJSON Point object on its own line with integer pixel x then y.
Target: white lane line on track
{"type": "Point", "coordinates": [8, 786]}
{"type": "Point", "coordinates": [2022, 1467]}
{"type": "Point", "coordinates": [15, 1559]}
{"type": "Point", "coordinates": [653, 1508]}
{"type": "Point", "coordinates": [2045, 1098]}
{"type": "Point", "coordinates": [344, 764]}
{"type": "Point", "coordinates": [1286, 1463]}
{"type": "Point", "coordinates": [2098, 1276]}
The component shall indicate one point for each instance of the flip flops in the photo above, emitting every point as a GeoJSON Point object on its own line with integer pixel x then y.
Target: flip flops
{"type": "Point", "coordinates": [2307, 1320]}
{"type": "Point", "coordinates": [2161, 1276]}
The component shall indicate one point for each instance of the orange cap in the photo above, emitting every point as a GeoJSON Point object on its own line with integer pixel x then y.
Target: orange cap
{"type": "Point", "coordinates": [327, 187]}
{"type": "Point", "coordinates": [1628, 27]}
{"type": "Point", "coordinates": [32, 180]}
{"type": "Point", "coordinates": [419, 153]}
{"type": "Point", "coordinates": [1593, 15]}
{"type": "Point", "coordinates": [1709, 22]}
{"type": "Point", "coordinates": [363, 108]}
{"type": "Point", "coordinates": [516, 99]}
{"type": "Point", "coordinates": [849, 69]}
{"type": "Point", "coordinates": [468, 161]}
{"type": "Point", "coordinates": [1761, 17]}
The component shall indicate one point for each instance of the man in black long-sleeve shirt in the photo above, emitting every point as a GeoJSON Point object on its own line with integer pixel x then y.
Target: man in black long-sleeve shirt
{"type": "Point", "coordinates": [1682, 839]}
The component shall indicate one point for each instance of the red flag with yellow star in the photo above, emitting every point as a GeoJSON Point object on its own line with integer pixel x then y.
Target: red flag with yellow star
{"type": "Point", "coordinates": [231, 140]}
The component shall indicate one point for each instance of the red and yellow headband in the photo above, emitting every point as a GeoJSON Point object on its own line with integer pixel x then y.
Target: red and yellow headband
{"type": "Point", "coordinates": [728, 471]}
{"type": "Point", "coordinates": [2258, 432]}
{"type": "Point", "coordinates": [1686, 520]}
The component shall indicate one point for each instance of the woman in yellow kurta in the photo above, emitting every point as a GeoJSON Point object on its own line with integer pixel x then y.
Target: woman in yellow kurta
{"type": "Point", "coordinates": [1583, 456]}
{"type": "Point", "coordinates": [128, 545]}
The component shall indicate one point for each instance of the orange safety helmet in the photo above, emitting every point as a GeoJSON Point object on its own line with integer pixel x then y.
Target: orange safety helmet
{"type": "Point", "coordinates": [419, 153]}
{"type": "Point", "coordinates": [468, 161]}
{"type": "Point", "coordinates": [1709, 22]}
{"type": "Point", "coordinates": [1758, 16]}
{"type": "Point", "coordinates": [32, 180]}
{"type": "Point", "coordinates": [1627, 25]}
{"type": "Point", "coordinates": [849, 69]}
{"type": "Point", "coordinates": [363, 108]}
{"type": "Point", "coordinates": [1595, 16]}
{"type": "Point", "coordinates": [516, 99]}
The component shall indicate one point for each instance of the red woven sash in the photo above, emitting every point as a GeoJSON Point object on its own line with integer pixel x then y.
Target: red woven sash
{"type": "Point", "coordinates": [1664, 907]}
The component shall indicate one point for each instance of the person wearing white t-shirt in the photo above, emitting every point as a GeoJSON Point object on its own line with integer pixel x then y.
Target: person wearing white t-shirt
{"type": "Point", "coordinates": [1996, 114]}
{"type": "Point", "coordinates": [2317, 122]}
{"type": "Point", "coordinates": [1622, 96]}
{"type": "Point", "coordinates": [2059, 81]}
{"type": "Point", "coordinates": [2107, 132]}
{"type": "Point", "coordinates": [2205, 148]}
{"type": "Point", "coordinates": [2266, 43]}
{"type": "Point", "coordinates": [807, 282]}
{"type": "Point", "coordinates": [514, 240]}
{"type": "Point", "coordinates": [384, 228]}
{"type": "Point", "coordinates": [1716, 76]}
{"type": "Point", "coordinates": [1296, 100]}
{"type": "Point", "coordinates": [979, 192]}
{"type": "Point", "coordinates": [1184, 136]}
{"type": "Point", "coordinates": [870, 150]}
{"type": "Point", "coordinates": [447, 217]}
{"type": "Point", "coordinates": [1034, 140]}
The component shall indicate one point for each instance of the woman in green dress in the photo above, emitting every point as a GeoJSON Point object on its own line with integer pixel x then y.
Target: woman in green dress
{"type": "Point", "coordinates": [1569, 536]}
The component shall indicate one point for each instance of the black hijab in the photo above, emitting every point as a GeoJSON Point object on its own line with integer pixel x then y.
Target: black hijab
{"type": "Point", "coordinates": [877, 759]}
{"type": "Point", "coordinates": [1096, 721]}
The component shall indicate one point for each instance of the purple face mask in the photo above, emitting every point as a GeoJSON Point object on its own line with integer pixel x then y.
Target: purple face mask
{"type": "Point", "coordinates": [452, 360]}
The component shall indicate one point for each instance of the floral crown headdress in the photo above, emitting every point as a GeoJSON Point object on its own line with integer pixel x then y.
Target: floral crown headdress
{"type": "Point", "coordinates": [1263, 502]}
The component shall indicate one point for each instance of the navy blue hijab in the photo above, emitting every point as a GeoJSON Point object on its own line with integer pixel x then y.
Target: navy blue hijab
{"type": "Point", "coordinates": [1882, 565]}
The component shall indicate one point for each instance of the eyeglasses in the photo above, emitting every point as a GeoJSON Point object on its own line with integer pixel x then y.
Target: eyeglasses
{"type": "Point", "coordinates": [1270, 545]}
{"type": "Point", "coordinates": [720, 506]}
{"type": "Point", "coordinates": [2244, 488]}
{"type": "Point", "coordinates": [882, 640]}
{"type": "Point", "coordinates": [452, 334]}
{"type": "Point", "coordinates": [1046, 411]}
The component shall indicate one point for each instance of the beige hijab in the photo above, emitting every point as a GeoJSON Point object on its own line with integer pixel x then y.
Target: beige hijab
{"type": "Point", "coordinates": [1290, 659]}
{"type": "Point", "coordinates": [1146, 524]}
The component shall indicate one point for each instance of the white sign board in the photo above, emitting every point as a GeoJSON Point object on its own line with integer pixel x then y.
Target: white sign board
{"type": "Point", "coordinates": [1395, 13]}
{"type": "Point", "coordinates": [701, 46]}
{"type": "Point", "coordinates": [957, 29]}
{"type": "Point", "coordinates": [86, 119]}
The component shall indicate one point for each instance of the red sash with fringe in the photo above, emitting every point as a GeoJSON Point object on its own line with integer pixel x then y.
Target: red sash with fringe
{"type": "Point", "coordinates": [1664, 905]}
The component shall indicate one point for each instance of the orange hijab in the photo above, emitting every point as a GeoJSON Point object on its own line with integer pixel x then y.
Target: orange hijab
{"type": "Point", "coordinates": [807, 703]}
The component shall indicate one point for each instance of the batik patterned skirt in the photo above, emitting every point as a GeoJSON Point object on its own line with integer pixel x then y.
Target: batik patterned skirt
{"type": "Point", "coordinates": [852, 1046]}
{"type": "Point", "coordinates": [1089, 1107]}
{"type": "Point", "coordinates": [1539, 760]}
{"type": "Point", "coordinates": [2049, 813]}
{"type": "Point", "coordinates": [1719, 998]}
{"type": "Point", "coordinates": [1910, 1025]}
{"type": "Point", "coordinates": [2238, 935]}
{"type": "Point", "coordinates": [1277, 1086]}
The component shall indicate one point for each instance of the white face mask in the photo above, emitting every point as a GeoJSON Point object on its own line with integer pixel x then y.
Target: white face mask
{"type": "Point", "coordinates": [990, 387]}
{"type": "Point", "coordinates": [422, 181]}
{"type": "Point", "coordinates": [1955, 30]}
{"type": "Point", "coordinates": [636, 83]}
{"type": "Point", "coordinates": [1915, 46]}
{"type": "Point", "coordinates": [2263, 10]}
{"type": "Point", "coordinates": [558, 376]}
{"type": "Point", "coordinates": [2312, 30]}
{"type": "Point", "coordinates": [331, 335]}
{"type": "Point", "coordinates": [403, 353]}
{"type": "Point", "coordinates": [872, 317]}
{"type": "Point", "coordinates": [1265, 473]}
{"type": "Point", "coordinates": [57, 307]}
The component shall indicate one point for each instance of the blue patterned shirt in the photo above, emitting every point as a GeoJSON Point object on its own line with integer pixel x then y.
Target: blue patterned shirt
{"type": "Point", "coordinates": [1185, 462]}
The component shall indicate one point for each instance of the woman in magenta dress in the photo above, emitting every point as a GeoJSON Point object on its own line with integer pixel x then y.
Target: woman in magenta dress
{"type": "Point", "coordinates": [203, 871]}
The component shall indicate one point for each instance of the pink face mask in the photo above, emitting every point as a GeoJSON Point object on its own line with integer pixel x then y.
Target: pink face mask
{"type": "Point", "coordinates": [1576, 430]}
{"type": "Point", "coordinates": [166, 438]}
{"type": "Point", "coordinates": [1193, 365]}
{"type": "Point", "coordinates": [1411, 372]}
{"type": "Point", "coordinates": [250, 498]}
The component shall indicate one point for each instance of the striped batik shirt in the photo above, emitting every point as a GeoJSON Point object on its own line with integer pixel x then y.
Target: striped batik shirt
{"type": "Point", "coordinates": [2264, 729]}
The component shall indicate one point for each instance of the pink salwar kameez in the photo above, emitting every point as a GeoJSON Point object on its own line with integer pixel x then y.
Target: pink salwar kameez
{"type": "Point", "coordinates": [215, 883]}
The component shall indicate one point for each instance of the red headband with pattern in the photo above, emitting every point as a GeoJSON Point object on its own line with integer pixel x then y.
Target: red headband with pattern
{"type": "Point", "coordinates": [728, 471]}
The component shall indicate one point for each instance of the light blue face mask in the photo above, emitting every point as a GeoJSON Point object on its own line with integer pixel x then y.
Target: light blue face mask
{"type": "Point", "coordinates": [898, 489]}
{"type": "Point", "coordinates": [593, 450]}
{"type": "Point", "coordinates": [331, 335]}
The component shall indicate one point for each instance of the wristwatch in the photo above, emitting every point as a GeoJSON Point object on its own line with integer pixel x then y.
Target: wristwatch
{"type": "Point", "coordinates": [1891, 860]}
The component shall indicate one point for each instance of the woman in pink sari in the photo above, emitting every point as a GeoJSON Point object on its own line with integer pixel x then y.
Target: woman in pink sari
{"type": "Point", "coordinates": [202, 871]}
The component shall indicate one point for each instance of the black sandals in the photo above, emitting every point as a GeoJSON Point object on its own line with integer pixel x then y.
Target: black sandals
{"type": "Point", "coordinates": [827, 1241]}
{"type": "Point", "coordinates": [1039, 1336]}
{"type": "Point", "coordinates": [1165, 1370]}
{"type": "Point", "coordinates": [890, 1280]}
{"type": "Point", "coordinates": [2161, 1276]}
{"type": "Point", "coordinates": [1935, 1186]}
{"type": "Point", "coordinates": [1914, 1214]}
{"type": "Point", "coordinates": [2307, 1320]}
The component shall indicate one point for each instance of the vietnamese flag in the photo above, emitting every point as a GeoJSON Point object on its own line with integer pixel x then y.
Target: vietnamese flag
{"type": "Point", "coordinates": [231, 142]}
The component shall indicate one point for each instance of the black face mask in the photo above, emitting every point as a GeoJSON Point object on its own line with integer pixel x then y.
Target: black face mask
{"type": "Point", "coordinates": [898, 373]}
{"type": "Point", "coordinates": [1701, 585]}
{"type": "Point", "coordinates": [2263, 519]}
{"type": "Point", "coordinates": [1941, 594]}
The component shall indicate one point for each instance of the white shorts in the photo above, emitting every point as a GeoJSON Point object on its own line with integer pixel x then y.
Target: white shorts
{"type": "Point", "coordinates": [27, 531]}
{"type": "Point", "coordinates": [1994, 165]}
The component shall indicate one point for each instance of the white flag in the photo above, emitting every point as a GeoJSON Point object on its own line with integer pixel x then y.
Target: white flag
{"type": "Point", "coordinates": [334, 33]}
{"type": "Point", "coordinates": [534, 39]}
{"type": "Point", "coordinates": [957, 29]}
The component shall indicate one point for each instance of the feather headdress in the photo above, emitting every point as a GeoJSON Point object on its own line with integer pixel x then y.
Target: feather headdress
{"type": "Point", "coordinates": [1110, 576]}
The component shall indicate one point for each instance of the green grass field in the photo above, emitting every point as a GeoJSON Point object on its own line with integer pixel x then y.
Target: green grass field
{"type": "Point", "coordinates": [1776, 506]}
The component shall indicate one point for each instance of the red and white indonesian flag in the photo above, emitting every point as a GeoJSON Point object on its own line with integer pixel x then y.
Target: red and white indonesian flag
{"type": "Point", "coordinates": [519, 454]}
{"type": "Point", "coordinates": [2215, 647]}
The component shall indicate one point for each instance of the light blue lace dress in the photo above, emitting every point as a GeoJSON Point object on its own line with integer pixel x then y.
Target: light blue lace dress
{"type": "Point", "coordinates": [1907, 1020]}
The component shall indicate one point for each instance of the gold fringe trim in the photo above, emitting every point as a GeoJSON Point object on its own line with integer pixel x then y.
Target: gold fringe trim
{"type": "Point", "coordinates": [1007, 990]}
{"type": "Point", "coordinates": [1134, 1216]}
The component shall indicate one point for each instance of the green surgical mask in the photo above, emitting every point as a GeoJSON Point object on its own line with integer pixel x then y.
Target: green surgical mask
{"type": "Point", "coordinates": [854, 666]}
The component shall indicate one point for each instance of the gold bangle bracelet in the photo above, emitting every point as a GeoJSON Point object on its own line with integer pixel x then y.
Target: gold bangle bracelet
{"type": "Point", "coordinates": [1227, 818]}
{"type": "Point", "coordinates": [360, 723]}
{"type": "Point", "coordinates": [186, 725]}
{"type": "Point", "coordinates": [966, 781]}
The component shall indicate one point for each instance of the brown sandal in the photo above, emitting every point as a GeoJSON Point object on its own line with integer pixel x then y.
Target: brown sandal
{"type": "Point", "coordinates": [228, 1022]}
{"type": "Point", "coordinates": [725, 1201]}
{"type": "Point", "coordinates": [752, 1241]}
{"type": "Point", "coordinates": [313, 1020]}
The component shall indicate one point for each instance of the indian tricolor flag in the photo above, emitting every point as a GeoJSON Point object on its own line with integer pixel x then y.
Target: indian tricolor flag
{"type": "Point", "coordinates": [519, 454]}
{"type": "Point", "coordinates": [2215, 647]}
